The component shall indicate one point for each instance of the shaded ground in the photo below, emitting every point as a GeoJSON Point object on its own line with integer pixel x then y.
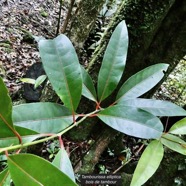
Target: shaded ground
{"type": "Point", "coordinates": [174, 89]}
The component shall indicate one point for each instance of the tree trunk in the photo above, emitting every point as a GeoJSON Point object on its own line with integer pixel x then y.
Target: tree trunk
{"type": "Point", "coordinates": [154, 38]}
{"type": "Point", "coordinates": [156, 34]}
{"type": "Point", "coordinates": [84, 20]}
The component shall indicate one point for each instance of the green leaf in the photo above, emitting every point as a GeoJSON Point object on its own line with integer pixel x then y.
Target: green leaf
{"type": "Point", "coordinates": [132, 121]}
{"type": "Point", "coordinates": [63, 163]}
{"type": "Point", "coordinates": [4, 177]}
{"type": "Point", "coordinates": [141, 82]}
{"type": "Point", "coordinates": [174, 143]}
{"type": "Point", "coordinates": [33, 170]}
{"type": "Point", "coordinates": [6, 124]}
{"type": "Point", "coordinates": [42, 117]}
{"type": "Point", "coordinates": [148, 163]}
{"type": "Point", "coordinates": [39, 81]}
{"type": "Point", "coordinates": [34, 82]}
{"type": "Point", "coordinates": [114, 61]}
{"type": "Point", "coordinates": [28, 80]}
{"type": "Point", "coordinates": [88, 87]}
{"type": "Point", "coordinates": [179, 127]}
{"type": "Point", "coordinates": [62, 67]}
{"type": "Point", "coordinates": [155, 107]}
{"type": "Point", "coordinates": [26, 136]}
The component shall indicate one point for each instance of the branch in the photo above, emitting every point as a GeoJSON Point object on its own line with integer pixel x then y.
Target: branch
{"type": "Point", "coordinates": [59, 18]}
{"type": "Point", "coordinates": [68, 16]}
{"type": "Point", "coordinates": [20, 146]}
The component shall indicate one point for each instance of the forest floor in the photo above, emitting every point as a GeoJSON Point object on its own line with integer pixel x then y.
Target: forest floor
{"type": "Point", "coordinates": [18, 20]}
{"type": "Point", "coordinates": [174, 88]}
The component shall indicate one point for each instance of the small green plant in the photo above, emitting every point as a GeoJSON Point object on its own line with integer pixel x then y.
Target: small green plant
{"type": "Point", "coordinates": [103, 169]}
{"type": "Point", "coordinates": [29, 124]}
{"type": "Point", "coordinates": [36, 82]}
{"type": "Point", "coordinates": [53, 148]}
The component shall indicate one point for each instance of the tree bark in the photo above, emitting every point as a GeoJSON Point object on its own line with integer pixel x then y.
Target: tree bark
{"type": "Point", "coordinates": [84, 20]}
{"type": "Point", "coordinates": [153, 33]}
{"type": "Point", "coordinates": [153, 39]}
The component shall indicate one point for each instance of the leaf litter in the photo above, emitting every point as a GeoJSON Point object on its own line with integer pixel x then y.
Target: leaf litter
{"type": "Point", "coordinates": [18, 20]}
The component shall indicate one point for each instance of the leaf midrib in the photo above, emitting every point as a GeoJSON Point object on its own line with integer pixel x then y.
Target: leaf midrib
{"type": "Point", "coordinates": [64, 75]}
{"type": "Point", "coordinates": [116, 51]}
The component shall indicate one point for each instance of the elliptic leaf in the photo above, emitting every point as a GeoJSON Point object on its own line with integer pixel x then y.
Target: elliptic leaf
{"type": "Point", "coordinates": [174, 143]}
{"type": "Point", "coordinates": [35, 171]}
{"type": "Point", "coordinates": [42, 117]}
{"type": "Point", "coordinates": [88, 87]}
{"type": "Point", "coordinates": [114, 61]}
{"type": "Point", "coordinates": [155, 107]}
{"type": "Point", "coordinates": [141, 82]}
{"type": "Point", "coordinates": [62, 67]}
{"type": "Point", "coordinates": [39, 81]}
{"type": "Point", "coordinates": [145, 169]}
{"type": "Point", "coordinates": [179, 127]}
{"type": "Point", "coordinates": [132, 121]}
{"type": "Point", "coordinates": [63, 163]}
{"type": "Point", "coordinates": [6, 125]}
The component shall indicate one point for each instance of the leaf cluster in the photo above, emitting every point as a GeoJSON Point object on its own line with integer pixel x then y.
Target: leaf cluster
{"type": "Point", "coordinates": [33, 123]}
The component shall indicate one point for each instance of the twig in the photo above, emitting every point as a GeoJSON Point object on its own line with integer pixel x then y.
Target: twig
{"type": "Point", "coordinates": [119, 168]}
{"type": "Point", "coordinates": [68, 16]}
{"type": "Point", "coordinates": [126, 162]}
{"type": "Point", "coordinates": [20, 146]}
{"type": "Point", "coordinates": [59, 18]}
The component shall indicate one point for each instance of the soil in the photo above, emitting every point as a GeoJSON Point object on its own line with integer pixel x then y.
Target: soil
{"type": "Point", "coordinates": [19, 20]}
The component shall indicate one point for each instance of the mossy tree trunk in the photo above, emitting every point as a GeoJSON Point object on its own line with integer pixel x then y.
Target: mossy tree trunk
{"type": "Point", "coordinates": [157, 32]}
